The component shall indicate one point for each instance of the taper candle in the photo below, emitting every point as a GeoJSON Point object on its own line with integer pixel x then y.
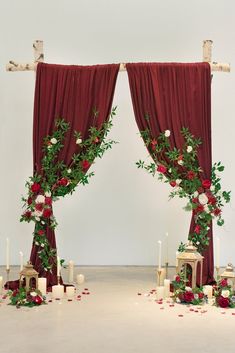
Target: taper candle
{"type": "Point", "coordinates": [58, 266]}
{"type": "Point", "coordinates": [7, 254]}
{"type": "Point", "coordinates": [159, 254]}
{"type": "Point", "coordinates": [167, 250]}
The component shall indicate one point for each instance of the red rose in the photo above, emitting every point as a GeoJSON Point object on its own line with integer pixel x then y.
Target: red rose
{"type": "Point", "coordinates": [177, 279]}
{"type": "Point", "coordinates": [195, 200]}
{"type": "Point", "coordinates": [197, 229]}
{"type": "Point", "coordinates": [47, 212]}
{"type": "Point", "coordinates": [224, 282]}
{"type": "Point", "coordinates": [27, 214]}
{"type": "Point", "coordinates": [41, 232]}
{"type": "Point", "coordinates": [153, 144]}
{"type": "Point", "coordinates": [35, 187]}
{"type": "Point", "coordinates": [223, 302]}
{"type": "Point", "coordinates": [37, 300]}
{"type": "Point", "coordinates": [39, 206]}
{"type": "Point", "coordinates": [206, 183]}
{"type": "Point", "coordinates": [48, 201]}
{"type": "Point", "coordinates": [199, 209]}
{"type": "Point", "coordinates": [161, 169]}
{"type": "Point", "coordinates": [191, 175]}
{"type": "Point", "coordinates": [63, 182]}
{"type": "Point", "coordinates": [15, 292]}
{"type": "Point", "coordinates": [173, 183]}
{"type": "Point", "coordinates": [188, 296]}
{"type": "Point", "coordinates": [200, 295]}
{"type": "Point", "coordinates": [85, 164]}
{"type": "Point", "coordinates": [217, 212]}
{"type": "Point", "coordinates": [200, 190]}
{"type": "Point", "coordinates": [30, 200]}
{"type": "Point", "coordinates": [180, 158]}
{"type": "Point", "coordinates": [212, 200]}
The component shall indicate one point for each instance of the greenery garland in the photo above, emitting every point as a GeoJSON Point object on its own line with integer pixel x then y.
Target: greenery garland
{"type": "Point", "coordinates": [180, 169]}
{"type": "Point", "coordinates": [57, 179]}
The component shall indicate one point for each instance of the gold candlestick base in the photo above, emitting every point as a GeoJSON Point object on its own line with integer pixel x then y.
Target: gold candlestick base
{"type": "Point", "coordinates": [8, 277]}
{"type": "Point", "coordinates": [58, 280]}
{"type": "Point", "coordinates": [166, 267]}
{"type": "Point", "coordinates": [159, 271]}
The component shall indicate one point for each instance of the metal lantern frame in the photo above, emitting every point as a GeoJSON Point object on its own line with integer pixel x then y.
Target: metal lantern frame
{"type": "Point", "coordinates": [28, 273]}
{"type": "Point", "coordinates": [229, 274]}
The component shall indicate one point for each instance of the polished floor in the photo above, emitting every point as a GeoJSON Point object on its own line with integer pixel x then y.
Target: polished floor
{"type": "Point", "coordinates": [118, 316]}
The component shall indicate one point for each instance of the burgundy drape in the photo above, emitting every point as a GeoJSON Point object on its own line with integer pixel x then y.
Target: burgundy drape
{"type": "Point", "coordinates": [176, 95]}
{"type": "Point", "coordinates": [71, 93]}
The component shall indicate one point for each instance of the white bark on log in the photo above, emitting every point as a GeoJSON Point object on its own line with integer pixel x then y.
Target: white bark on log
{"type": "Point", "coordinates": [207, 50]}
{"type": "Point", "coordinates": [38, 51]}
{"type": "Point", "coordinates": [13, 66]}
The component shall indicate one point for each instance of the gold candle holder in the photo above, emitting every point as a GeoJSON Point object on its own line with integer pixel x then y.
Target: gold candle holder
{"type": "Point", "coordinates": [8, 277]}
{"type": "Point", "coordinates": [166, 267]}
{"type": "Point", "coordinates": [159, 271]}
{"type": "Point", "coordinates": [58, 280]}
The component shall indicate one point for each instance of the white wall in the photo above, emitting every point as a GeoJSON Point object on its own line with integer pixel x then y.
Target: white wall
{"type": "Point", "coordinates": [120, 216]}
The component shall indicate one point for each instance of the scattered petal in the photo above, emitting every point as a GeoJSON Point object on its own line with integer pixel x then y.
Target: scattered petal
{"type": "Point", "coordinates": [139, 294]}
{"type": "Point", "coordinates": [180, 315]}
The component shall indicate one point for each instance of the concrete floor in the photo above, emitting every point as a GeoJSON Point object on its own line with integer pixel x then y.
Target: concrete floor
{"type": "Point", "coordinates": [115, 319]}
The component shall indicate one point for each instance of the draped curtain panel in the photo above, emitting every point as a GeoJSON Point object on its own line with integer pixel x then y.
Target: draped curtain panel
{"type": "Point", "coordinates": [72, 93]}
{"type": "Point", "coordinates": [176, 95]}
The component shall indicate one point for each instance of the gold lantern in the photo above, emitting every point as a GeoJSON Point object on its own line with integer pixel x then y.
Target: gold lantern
{"type": "Point", "coordinates": [192, 258]}
{"type": "Point", "coordinates": [229, 274]}
{"type": "Point", "coordinates": [29, 273]}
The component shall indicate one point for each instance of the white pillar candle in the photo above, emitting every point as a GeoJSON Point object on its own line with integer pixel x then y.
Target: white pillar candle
{"type": "Point", "coordinates": [208, 290]}
{"type": "Point", "coordinates": [217, 252]}
{"type": "Point", "coordinates": [80, 279]}
{"type": "Point", "coordinates": [167, 288]}
{"type": "Point", "coordinates": [159, 254]}
{"type": "Point", "coordinates": [70, 291]}
{"type": "Point", "coordinates": [167, 255]}
{"type": "Point", "coordinates": [7, 254]}
{"type": "Point", "coordinates": [58, 266]}
{"type": "Point", "coordinates": [1, 284]}
{"type": "Point", "coordinates": [160, 292]}
{"type": "Point", "coordinates": [58, 291]}
{"type": "Point", "coordinates": [42, 285]}
{"type": "Point", "coordinates": [71, 268]}
{"type": "Point", "coordinates": [21, 260]}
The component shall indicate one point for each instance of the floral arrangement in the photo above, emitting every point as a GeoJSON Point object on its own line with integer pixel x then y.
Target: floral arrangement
{"type": "Point", "coordinates": [224, 295]}
{"type": "Point", "coordinates": [21, 297]}
{"type": "Point", "coordinates": [185, 294]}
{"type": "Point", "coordinates": [180, 169]}
{"type": "Point", "coordinates": [57, 179]}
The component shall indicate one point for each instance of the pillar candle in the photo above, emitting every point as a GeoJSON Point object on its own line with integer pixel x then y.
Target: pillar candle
{"type": "Point", "coordinates": [1, 284]}
{"type": "Point", "coordinates": [58, 266]}
{"type": "Point", "coordinates": [71, 268]}
{"type": "Point", "coordinates": [159, 254]}
{"type": "Point", "coordinates": [160, 293]}
{"type": "Point", "coordinates": [42, 285]}
{"type": "Point", "coordinates": [167, 288]}
{"type": "Point", "coordinates": [7, 254]}
{"type": "Point", "coordinates": [21, 260]}
{"type": "Point", "coordinates": [70, 291]}
{"type": "Point", "coordinates": [80, 279]}
{"type": "Point", "coordinates": [208, 290]}
{"type": "Point", "coordinates": [58, 291]}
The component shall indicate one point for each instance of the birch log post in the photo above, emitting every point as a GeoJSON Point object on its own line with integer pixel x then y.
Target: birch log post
{"type": "Point", "coordinates": [207, 57]}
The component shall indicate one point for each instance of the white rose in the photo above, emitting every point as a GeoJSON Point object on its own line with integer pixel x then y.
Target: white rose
{"type": "Point", "coordinates": [53, 141]}
{"type": "Point", "coordinates": [47, 193]}
{"type": "Point", "coordinates": [189, 149]}
{"type": "Point", "coordinates": [42, 245]}
{"type": "Point", "coordinates": [40, 199]}
{"type": "Point", "coordinates": [196, 194]}
{"type": "Point", "coordinates": [188, 289]}
{"type": "Point", "coordinates": [196, 296]}
{"type": "Point", "coordinates": [225, 293]}
{"type": "Point", "coordinates": [206, 209]}
{"type": "Point", "coordinates": [198, 242]}
{"type": "Point", "coordinates": [78, 141]}
{"type": "Point", "coordinates": [208, 228]}
{"type": "Point", "coordinates": [169, 170]}
{"type": "Point", "coordinates": [37, 219]}
{"type": "Point", "coordinates": [167, 133]}
{"type": "Point", "coordinates": [203, 199]}
{"type": "Point", "coordinates": [69, 171]}
{"type": "Point", "coordinates": [37, 213]}
{"type": "Point", "coordinates": [33, 294]}
{"type": "Point", "coordinates": [178, 181]}
{"type": "Point", "coordinates": [212, 188]}
{"type": "Point", "coordinates": [36, 243]}
{"type": "Point", "coordinates": [180, 162]}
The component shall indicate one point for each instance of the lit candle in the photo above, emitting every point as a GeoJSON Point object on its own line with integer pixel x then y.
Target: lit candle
{"type": "Point", "coordinates": [70, 291]}
{"type": "Point", "coordinates": [58, 266]}
{"type": "Point", "coordinates": [217, 252]}
{"type": "Point", "coordinates": [167, 288]}
{"type": "Point", "coordinates": [1, 284]}
{"type": "Point", "coordinates": [42, 285]}
{"type": "Point", "coordinates": [8, 254]}
{"type": "Point", "coordinates": [167, 255]}
{"type": "Point", "coordinates": [159, 254]}
{"type": "Point", "coordinates": [160, 292]}
{"type": "Point", "coordinates": [71, 267]}
{"type": "Point", "coordinates": [58, 291]}
{"type": "Point", "coordinates": [80, 279]}
{"type": "Point", "coordinates": [21, 260]}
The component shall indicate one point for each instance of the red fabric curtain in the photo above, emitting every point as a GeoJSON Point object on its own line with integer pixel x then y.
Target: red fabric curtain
{"type": "Point", "coordinates": [72, 93]}
{"type": "Point", "coordinates": [176, 95]}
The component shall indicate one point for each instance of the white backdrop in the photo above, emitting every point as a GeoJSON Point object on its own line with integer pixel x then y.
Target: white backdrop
{"type": "Point", "coordinates": [119, 217]}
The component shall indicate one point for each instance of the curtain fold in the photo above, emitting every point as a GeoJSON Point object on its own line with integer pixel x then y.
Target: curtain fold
{"type": "Point", "coordinates": [176, 95]}
{"type": "Point", "coordinates": [72, 93]}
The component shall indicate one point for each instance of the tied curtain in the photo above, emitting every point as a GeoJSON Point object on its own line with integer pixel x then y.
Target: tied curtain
{"type": "Point", "coordinates": [72, 93]}
{"type": "Point", "coordinates": [176, 95]}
